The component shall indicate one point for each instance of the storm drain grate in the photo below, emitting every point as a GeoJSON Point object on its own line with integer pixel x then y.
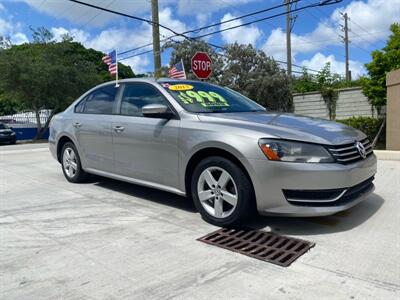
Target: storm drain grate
{"type": "Point", "coordinates": [266, 246]}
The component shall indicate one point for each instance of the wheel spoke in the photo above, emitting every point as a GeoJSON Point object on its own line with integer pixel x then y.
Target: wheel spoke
{"type": "Point", "coordinates": [223, 179]}
{"type": "Point", "coordinates": [73, 165]}
{"type": "Point", "coordinates": [72, 155]}
{"type": "Point", "coordinates": [205, 195]}
{"type": "Point", "coordinates": [67, 154]}
{"type": "Point", "coordinates": [230, 198]}
{"type": "Point", "coordinates": [218, 208]}
{"type": "Point", "coordinates": [209, 178]}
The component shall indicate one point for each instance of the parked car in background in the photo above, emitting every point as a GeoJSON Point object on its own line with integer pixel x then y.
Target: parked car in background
{"type": "Point", "coordinates": [221, 149]}
{"type": "Point", "coordinates": [7, 135]}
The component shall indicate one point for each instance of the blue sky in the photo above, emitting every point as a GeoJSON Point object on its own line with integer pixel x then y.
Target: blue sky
{"type": "Point", "coordinates": [315, 36]}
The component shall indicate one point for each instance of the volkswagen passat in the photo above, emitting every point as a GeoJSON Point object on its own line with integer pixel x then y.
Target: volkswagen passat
{"type": "Point", "coordinates": [212, 144]}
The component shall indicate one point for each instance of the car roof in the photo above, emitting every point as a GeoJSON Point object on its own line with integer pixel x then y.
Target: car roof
{"type": "Point", "coordinates": [150, 80]}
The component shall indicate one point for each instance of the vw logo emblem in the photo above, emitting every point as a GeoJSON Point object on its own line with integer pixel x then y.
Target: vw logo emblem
{"type": "Point", "coordinates": [361, 149]}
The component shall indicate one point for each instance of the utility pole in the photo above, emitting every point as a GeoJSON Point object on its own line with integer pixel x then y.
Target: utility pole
{"type": "Point", "coordinates": [156, 39]}
{"type": "Point", "coordinates": [346, 41]}
{"type": "Point", "coordinates": [288, 37]}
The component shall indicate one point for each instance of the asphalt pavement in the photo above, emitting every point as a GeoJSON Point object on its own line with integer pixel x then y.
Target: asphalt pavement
{"type": "Point", "coordinates": [112, 240]}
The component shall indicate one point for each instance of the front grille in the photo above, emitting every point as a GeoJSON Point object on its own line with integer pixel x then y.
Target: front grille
{"type": "Point", "coordinates": [266, 246]}
{"type": "Point", "coordinates": [333, 197]}
{"type": "Point", "coordinates": [348, 153]}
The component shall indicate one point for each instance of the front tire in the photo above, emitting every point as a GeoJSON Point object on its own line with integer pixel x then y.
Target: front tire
{"type": "Point", "coordinates": [71, 164]}
{"type": "Point", "coordinates": [222, 192]}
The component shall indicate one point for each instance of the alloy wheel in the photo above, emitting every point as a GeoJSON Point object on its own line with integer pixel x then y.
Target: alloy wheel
{"type": "Point", "coordinates": [70, 162]}
{"type": "Point", "coordinates": [217, 192]}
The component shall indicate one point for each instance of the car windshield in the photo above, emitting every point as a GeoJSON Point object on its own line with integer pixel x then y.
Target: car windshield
{"type": "Point", "coordinates": [3, 126]}
{"type": "Point", "coordinates": [202, 97]}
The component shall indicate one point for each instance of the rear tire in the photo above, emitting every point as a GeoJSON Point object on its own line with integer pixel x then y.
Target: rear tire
{"type": "Point", "coordinates": [71, 164]}
{"type": "Point", "coordinates": [222, 192]}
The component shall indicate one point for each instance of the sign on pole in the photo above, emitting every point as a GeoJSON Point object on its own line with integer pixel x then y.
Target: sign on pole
{"type": "Point", "coordinates": [201, 65]}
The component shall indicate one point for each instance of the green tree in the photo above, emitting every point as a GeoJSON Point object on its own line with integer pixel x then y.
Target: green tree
{"type": "Point", "coordinates": [383, 61]}
{"type": "Point", "coordinates": [328, 83]}
{"type": "Point", "coordinates": [252, 73]}
{"type": "Point", "coordinates": [50, 75]}
{"type": "Point", "coordinates": [304, 83]}
{"type": "Point", "coordinates": [9, 106]}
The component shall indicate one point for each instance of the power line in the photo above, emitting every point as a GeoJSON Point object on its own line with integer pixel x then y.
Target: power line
{"type": "Point", "coordinates": [364, 31]}
{"type": "Point", "coordinates": [278, 61]}
{"type": "Point", "coordinates": [127, 16]}
{"type": "Point", "coordinates": [213, 25]}
{"type": "Point", "coordinates": [85, 13]}
{"type": "Point", "coordinates": [241, 17]}
{"type": "Point", "coordinates": [326, 2]}
{"type": "Point", "coordinates": [269, 17]}
{"type": "Point", "coordinates": [183, 34]}
{"type": "Point", "coordinates": [96, 15]}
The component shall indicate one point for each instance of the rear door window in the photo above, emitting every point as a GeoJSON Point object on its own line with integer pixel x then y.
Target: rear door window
{"type": "Point", "coordinates": [100, 101]}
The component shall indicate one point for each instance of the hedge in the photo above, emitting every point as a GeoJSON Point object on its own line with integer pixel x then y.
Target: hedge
{"type": "Point", "coordinates": [370, 126]}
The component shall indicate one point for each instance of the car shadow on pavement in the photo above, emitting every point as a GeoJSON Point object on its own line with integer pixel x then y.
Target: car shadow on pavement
{"type": "Point", "coordinates": [342, 221]}
{"type": "Point", "coordinates": [145, 193]}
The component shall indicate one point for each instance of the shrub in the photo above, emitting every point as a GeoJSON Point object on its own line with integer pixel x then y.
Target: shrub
{"type": "Point", "coordinates": [370, 126]}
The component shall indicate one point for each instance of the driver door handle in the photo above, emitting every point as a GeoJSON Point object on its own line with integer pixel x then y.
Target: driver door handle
{"type": "Point", "coordinates": [119, 128]}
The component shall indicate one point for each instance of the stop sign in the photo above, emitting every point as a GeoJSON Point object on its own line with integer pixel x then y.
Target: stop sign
{"type": "Point", "coordinates": [201, 65]}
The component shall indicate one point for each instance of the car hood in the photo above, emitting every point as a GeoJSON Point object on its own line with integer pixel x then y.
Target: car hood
{"type": "Point", "coordinates": [289, 126]}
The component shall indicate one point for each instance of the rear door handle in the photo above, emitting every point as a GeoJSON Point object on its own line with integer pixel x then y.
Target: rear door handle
{"type": "Point", "coordinates": [119, 128]}
{"type": "Point", "coordinates": [77, 124]}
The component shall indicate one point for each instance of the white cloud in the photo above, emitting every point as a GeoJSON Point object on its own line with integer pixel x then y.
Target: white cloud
{"type": "Point", "coordinates": [372, 16]}
{"type": "Point", "coordinates": [166, 18]}
{"type": "Point", "coordinates": [80, 14]}
{"type": "Point", "coordinates": [19, 38]}
{"type": "Point", "coordinates": [195, 7]}
{"type": "Point", "coordinates": [369, 22]}
{"type": "Point", "coordinates": [12, 31]}
{"type": "Point", "coordinates": [139, 64]}
{"type": "Point", "coordinates": [242, 35]}
{"type": "Point", "coordinates": [5, 27]}
{"type": "Point", "coordinates": [322, 36]}
{"type": "Point", "coordinates": [77, 34]}
{"type": "Point", "coordinates": [318, 61]}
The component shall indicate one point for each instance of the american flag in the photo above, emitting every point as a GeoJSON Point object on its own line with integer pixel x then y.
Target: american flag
{"type": "Point", "coordinates": [177, 71]}
{"type": "Point", "coordinates": [111, 60]}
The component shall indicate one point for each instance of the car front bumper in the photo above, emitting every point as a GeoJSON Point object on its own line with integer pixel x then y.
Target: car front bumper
{"type": "Point", "coordinates": [7, 138]}
{"type": "Point", "coordinates": [270, 179]}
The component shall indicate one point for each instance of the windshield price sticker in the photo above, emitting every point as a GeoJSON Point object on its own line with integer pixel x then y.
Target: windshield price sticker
{"type": "Point", "coordinates": [180, 87]}
{"type": "Point", "coordinates": [206, 99]}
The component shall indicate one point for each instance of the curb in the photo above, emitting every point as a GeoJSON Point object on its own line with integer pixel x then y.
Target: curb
{"type": "Point", "coordinates": [387, 154]}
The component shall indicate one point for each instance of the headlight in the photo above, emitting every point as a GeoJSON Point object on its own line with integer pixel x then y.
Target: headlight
{"type": "Point", "coordinates": [13, 133]}
{"type": "Point", "coordinates": [294, 151]}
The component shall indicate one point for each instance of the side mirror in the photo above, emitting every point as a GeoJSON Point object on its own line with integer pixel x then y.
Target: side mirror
{"type": "Point", "coordinates": [157, 111]}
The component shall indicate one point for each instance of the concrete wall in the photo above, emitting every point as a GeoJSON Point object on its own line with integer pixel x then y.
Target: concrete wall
{"type": "Point", "coordinates": [393, 110]}
{"type": "Point", "coordinates": [351, 102]}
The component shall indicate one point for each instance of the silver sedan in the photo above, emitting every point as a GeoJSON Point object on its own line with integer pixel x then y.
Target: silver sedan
{"type": "Point", "coordinates": [214, 145]}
